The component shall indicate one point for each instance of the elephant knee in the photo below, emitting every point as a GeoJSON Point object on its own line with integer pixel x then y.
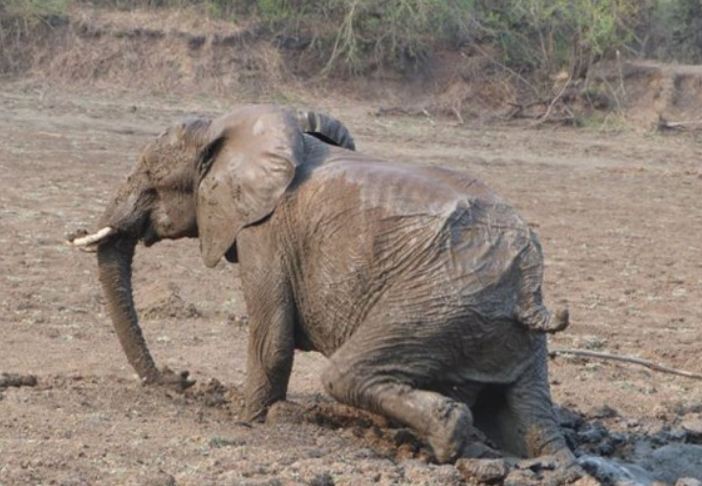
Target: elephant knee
{"type": "Point", "coordinates": [344, 384]}
{"type": "Point", "coordinates": [334, 381]}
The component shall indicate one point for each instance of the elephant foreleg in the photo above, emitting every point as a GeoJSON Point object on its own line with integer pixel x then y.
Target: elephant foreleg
{"type": "Point", "coordinates": [269, 362]}
{"type": "Point", "coordinates": [270, 348]}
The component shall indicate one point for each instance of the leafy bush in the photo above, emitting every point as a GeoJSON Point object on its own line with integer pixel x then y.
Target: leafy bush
{"type": "Point", "coordinates": [542, 36]}
{"type": "Point", "coordinates": [550, 35]}
{"type": "Point", "coordinates": [672, 30]}
{"type": "Point", "coordinates": [356, 34]}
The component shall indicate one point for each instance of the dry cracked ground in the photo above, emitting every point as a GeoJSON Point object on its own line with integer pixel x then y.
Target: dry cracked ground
{"type": "Point", "coordinates": [620, 219]}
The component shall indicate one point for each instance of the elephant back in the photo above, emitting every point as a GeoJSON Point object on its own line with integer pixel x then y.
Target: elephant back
{"type": "Point", "coordinates": [325, 128]}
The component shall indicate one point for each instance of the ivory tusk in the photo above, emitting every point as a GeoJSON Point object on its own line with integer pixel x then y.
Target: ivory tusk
{"type": "Point", "coordinates": [94, 238]}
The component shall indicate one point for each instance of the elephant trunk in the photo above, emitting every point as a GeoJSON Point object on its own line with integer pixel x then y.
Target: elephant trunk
{"type": "Point", "coordinates": [115, 273]}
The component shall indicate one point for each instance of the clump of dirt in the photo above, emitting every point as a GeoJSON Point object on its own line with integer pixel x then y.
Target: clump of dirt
{"type": "Point", "coordinates": [215, 394]}
{"type": "Point", "coordinates": [16, 380]}
{"type": "Point", "coordinates": [163, 301]}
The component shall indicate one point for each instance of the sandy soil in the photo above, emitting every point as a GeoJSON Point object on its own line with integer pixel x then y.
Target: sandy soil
{"type": "Point", "coordinates": [619, 216]}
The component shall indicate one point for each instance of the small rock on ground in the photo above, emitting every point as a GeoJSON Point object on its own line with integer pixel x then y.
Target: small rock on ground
{"type": "Point", "coordinates": [483, 470]}
{"type": "Point", "coordinates": [688, 482]}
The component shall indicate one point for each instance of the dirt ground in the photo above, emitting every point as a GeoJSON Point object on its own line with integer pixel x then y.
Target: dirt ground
{"type": "Point", "coordinates": [619, 216]}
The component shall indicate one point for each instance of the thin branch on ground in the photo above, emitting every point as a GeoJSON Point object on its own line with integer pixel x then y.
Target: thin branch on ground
{"type": "Point", "coordinates": [397, 110]}
{"type": "Point", "coordinates": [458, 115]}
{"type": "Point", "coordinates": [625, 359]}
{"type": "Point", "coordinates": [519, 109]}
{"type": "Point", "coordinates": [506, 68]}
{"type": "Point", "coordinates": [664, 124]}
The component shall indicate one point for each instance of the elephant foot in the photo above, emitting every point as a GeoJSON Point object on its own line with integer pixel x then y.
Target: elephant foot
{"type": "Point", "coordinates": [459, 438]}
{"type": "Point", "coordinates": [171, 380]}
{"type": "Point", "coordinates": [479, 450]}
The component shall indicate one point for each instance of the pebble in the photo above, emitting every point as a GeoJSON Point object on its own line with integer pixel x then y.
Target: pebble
{"type": "Point", "coordinates": [522, 477]}
{"type": "Point", "coordinates": [483, 470]}
{"type": "Point", "coordinates": [604, 411]}
{"type": "Point", "coordinates": [587, 481]}
{"type": "Point", "coordinates": [160, 479]}
{"type": "Point", "coordinates": [688, 482]}
{"type": "Point", "coordinates": [693, 427]}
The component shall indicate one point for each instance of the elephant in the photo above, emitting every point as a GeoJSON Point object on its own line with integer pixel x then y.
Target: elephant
{"type": "Point", "coordinates": [421, 286]}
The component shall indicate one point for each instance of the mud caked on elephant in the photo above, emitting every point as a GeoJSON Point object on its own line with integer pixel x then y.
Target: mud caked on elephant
{"type": "Point", "coordinates": [421, 286]}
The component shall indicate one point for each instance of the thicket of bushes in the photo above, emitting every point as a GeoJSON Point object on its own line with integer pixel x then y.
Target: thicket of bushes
{"type": "Point", "coordinates": [529, 36]}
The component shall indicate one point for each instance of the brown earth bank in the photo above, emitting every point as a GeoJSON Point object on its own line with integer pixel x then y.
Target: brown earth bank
{"type": "Point", "coordinates": [182, 51]}
{"type": "Point", "coordinates": [618, 213]}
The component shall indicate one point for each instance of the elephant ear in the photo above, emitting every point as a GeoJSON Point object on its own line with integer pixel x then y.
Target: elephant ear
{"type": "Point", "coordinates": [246, 166]}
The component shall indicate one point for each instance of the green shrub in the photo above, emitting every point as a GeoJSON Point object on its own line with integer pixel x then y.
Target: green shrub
{"type": "Point", "coordinates": [528, 36]}
{"type": "Point", "coordinates": [551, 35]}
{"type": "Point", "coordinates": [357, 34]}
{"type": "Point", "coordinates": [672, 31]}
{"type": "Point", "coordinates": [545, 35]}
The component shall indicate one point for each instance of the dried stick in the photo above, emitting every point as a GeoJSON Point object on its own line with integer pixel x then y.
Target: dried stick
{"type": "Point", "coordinates": [625, 359]}
{"type": "Point", "coordinates": [547, 115]}
{"type": "Point", "coordinates": [672, 125]}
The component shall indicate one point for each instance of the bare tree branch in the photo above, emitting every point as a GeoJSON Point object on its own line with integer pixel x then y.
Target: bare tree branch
{"type": "Point", "coordinates": [625, 359]}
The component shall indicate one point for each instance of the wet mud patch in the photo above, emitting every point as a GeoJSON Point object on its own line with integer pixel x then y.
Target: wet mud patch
{"type": "Point", "coordinates": [613, 447]}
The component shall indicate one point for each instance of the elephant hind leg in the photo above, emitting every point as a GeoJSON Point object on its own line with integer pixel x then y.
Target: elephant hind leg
{"type": "Point", "coordinates": [497, 420]}
{"type": "Point", "coordinates": [519, 417]}
{"type": "Point", "coordinates": [446, 424]}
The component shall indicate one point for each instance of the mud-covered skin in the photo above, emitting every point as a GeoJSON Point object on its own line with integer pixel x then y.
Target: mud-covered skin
{"type": "Point", "coordinates": [421, 286]}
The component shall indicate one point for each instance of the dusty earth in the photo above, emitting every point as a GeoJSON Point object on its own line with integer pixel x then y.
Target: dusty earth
{"type": "Point", "coordinates": [620, 219]}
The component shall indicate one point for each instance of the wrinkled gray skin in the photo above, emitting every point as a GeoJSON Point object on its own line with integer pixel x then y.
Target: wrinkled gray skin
{"type": "Point", "coordinates": [419, 284]}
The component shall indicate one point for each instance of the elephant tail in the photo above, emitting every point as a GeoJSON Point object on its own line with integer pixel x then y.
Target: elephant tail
{"type": "Point", "coordinates": [530, 310]}
{"type": "Point", "coordinates": [541, 319]}
{"type": "Point", "coordinates": [327, 129]}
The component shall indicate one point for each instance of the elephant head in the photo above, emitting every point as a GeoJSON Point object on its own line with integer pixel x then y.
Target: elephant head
{"type": "Point", "coordinates": [201, 178]}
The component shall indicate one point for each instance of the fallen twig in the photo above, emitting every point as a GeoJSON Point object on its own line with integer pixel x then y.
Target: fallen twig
{"type": "Point", "coordinates": [396, 110]}
{"type": "Point", "coordinates": [458, 115]}
{"type": "Point", "coordinates": [518, 109]}
{"type": "Point", "coordinates": [555, 100]}
{"type": "Point", "coordinates": [625, 359]}
{"type": "Point", "coordinates": [664, 124]}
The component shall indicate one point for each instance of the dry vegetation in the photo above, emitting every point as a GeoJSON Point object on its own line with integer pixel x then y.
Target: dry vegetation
{"type": "Point", "coordinates": [546, 60]}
